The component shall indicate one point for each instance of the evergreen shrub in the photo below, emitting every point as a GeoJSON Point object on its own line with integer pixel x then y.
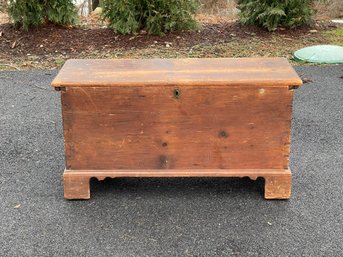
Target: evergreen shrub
{"type": "Point", "coordinates": [155, 16]}
{"type": "Point", "coordinates": [271, 14]}
{"type": "Point", "coordinates": [27, 13]}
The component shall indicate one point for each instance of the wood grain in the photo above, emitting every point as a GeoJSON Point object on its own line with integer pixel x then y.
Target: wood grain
{"type": "Point", "coordinates": [148, 128]}
{"type": "Point", "coordinates": [255, 72]}
{"type": "Point", "coordinates": [177, 118]}
{"type": "Point", "coordinates": [277, 181]}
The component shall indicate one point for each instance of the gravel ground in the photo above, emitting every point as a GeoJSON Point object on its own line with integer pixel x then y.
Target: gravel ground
{"type": "Point", "coordinates": [167, 217]}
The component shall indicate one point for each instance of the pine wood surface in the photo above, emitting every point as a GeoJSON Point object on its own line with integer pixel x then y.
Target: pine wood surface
{"type": "Point", "coordinates": [254, 72]}
{"type": "Point", "coordinates": [184, 117]}
{"type": "Point", "coordinates": [278, 183]}
{"type": "Point", "coordinates": [147, 127]}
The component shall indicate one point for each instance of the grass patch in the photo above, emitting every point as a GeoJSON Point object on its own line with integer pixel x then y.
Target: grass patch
{"type": "Point", "coordinates": [335, 36]}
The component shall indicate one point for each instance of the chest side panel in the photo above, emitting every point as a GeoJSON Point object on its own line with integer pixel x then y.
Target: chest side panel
{"type": "Point", "coordinates": [183, 127]}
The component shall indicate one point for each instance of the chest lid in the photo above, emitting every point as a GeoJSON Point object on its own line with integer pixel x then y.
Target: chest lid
{"type": "Point", "coordinates": [267, 72]}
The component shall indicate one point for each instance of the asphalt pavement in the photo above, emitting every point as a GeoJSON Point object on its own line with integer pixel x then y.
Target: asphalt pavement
{"type": "Point", "coordinates": [168, 217]}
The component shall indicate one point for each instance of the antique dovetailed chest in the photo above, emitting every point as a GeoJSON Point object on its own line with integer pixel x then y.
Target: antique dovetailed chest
{"type": "Point", "coordinates": [177, 118]}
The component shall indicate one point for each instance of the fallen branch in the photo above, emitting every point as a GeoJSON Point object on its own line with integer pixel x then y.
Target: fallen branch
{"type": "Point", "coordinates": [16, 42]}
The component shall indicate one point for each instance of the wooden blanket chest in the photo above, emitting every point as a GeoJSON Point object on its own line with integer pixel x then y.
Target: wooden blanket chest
{"type": "Point", "coordinates": [177, 118]}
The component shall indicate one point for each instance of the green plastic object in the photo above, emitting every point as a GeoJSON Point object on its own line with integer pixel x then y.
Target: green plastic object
{"type": "Point", "coordinates": [329, 54]}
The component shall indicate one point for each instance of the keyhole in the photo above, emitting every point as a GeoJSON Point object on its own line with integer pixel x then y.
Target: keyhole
{"type": "Point", "coordinates": [177, 93]}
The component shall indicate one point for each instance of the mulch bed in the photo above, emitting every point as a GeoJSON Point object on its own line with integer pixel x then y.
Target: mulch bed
{"type": "Point", "coordinates": [52, 39]}
{"type": "Point", "coordinates": [49, 46]}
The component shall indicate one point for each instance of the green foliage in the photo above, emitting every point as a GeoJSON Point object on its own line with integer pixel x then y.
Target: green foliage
{"type": "Point", "coordinates": [335, 36]}
{"type": "Point", "coordinates": [27, 13]}
{"type": "Point", "coordinates": [155, 16]}
{"type": "Point", "coordinates": [271, 14]}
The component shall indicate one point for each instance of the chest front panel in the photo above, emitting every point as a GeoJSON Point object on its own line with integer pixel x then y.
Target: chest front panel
{"type": "Point", "coordinates": [176, 127]}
